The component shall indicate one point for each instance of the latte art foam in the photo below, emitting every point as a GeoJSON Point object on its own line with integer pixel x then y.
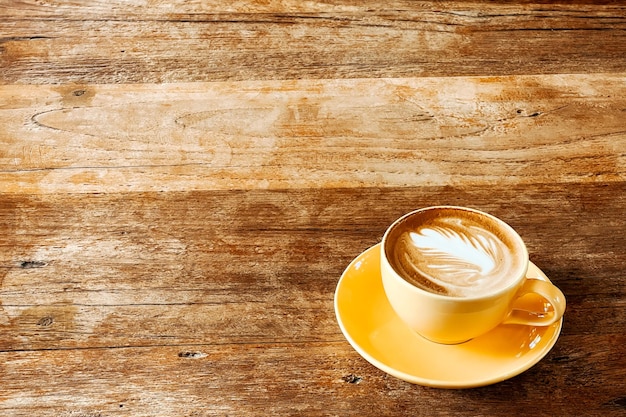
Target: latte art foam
{"type": "Point", "coordinates": [452, 254]}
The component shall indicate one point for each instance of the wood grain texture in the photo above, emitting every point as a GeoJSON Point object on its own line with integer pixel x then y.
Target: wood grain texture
{"type": "Point", "coordinates": [182, 184]}
{"type": "Point", "coordinates": [179, 41]}
{"type": "Point", "coordinates": [326, 133]}
{"type": "Point", "coordinates": [220, 302]}
{"type": "Point", "coordinates": [293, 379]}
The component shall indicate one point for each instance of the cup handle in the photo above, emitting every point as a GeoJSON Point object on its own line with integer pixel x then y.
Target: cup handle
{"type": "Point", "coordinates": [544, 289]}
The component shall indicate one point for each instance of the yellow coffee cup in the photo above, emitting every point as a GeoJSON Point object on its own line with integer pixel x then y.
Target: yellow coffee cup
{"type": "Point", "coordinates": [454, 273]}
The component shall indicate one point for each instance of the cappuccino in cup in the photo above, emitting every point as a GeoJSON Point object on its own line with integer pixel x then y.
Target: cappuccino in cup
{"type": "Point", "coordinates": [454, 273]}
{"type": "Point", "coordinates": [455, 252]}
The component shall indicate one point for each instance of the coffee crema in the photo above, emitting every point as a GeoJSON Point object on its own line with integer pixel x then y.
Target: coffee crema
{"type": "Point", "coordinates": [455, 252]}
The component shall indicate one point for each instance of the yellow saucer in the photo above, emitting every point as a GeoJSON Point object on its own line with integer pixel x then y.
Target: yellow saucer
{"type": "Point", "coordinates": [376, 333]}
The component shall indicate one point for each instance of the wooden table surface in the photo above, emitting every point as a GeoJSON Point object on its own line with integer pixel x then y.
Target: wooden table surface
{"type": "Point", "coordinates": [183, 183]}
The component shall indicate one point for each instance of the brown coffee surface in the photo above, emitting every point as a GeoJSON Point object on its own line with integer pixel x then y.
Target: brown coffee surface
{"type": "Point", "coordinates": [455, 252]}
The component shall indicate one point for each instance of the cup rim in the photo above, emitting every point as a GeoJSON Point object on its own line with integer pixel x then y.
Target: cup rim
{"type": "Point", "coordinates": [494, 294]}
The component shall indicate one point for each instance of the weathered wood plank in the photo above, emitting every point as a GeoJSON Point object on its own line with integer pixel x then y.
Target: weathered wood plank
{"type": "Point", "coordinates": [282, 379]}
{"type": "Point", "coordinates": [180, 41]}
{"type": "Point", "coordinates": [309, 134]}
{"type": "Point", "coordinates": [80, 271]}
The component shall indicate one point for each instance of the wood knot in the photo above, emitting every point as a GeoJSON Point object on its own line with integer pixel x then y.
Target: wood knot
{"type": "Point", "coordinates": [352, 379]}
{"type": "Point", "coordinates": [32, 264]}
{"type": "Point", "coordinates": [45, 321]}
{"type": "Point", "coordinates": [78, 93]}
{"type": "Point", "coordinates": [534, 114]}
{"type": "Point", "coordinates": [191, 355]}
{"type": "Point", "coordinates": [617, 402]}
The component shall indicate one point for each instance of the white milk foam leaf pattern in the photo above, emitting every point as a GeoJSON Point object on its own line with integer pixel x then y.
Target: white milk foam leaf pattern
{"type": "Point", "coordinates": [454, 256]}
